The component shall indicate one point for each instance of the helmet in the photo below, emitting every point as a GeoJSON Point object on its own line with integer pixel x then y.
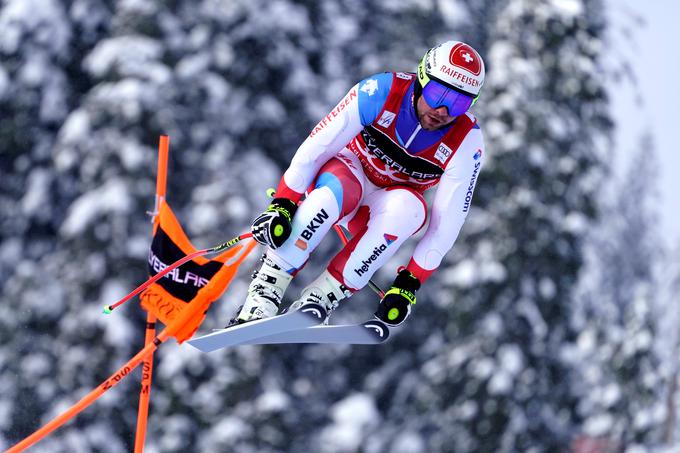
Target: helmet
{"type": "Point", "coordinates": [455, 68]}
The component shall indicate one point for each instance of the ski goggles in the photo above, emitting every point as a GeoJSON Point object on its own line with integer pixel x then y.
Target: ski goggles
{"type": "Point", "coordinates": [437, 95]}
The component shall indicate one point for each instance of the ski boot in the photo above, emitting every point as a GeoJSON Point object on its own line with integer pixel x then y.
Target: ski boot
{"type": "Point", "coordinates": [264, 293]}
{"type": "Point", "coordinates": [326, 291]}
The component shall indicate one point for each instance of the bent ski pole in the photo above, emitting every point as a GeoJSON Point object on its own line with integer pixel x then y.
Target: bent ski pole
{"type": "Point", "coordinates": [230, 243]}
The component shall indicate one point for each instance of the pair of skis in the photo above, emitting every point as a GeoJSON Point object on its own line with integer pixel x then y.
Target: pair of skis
{"type": "Point", "coordinates": [301, 326]}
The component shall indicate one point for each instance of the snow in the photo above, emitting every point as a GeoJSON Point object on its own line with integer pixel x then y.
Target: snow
{"type": "Point", "coordinates": [492, 324]}
{"type": "Point", "coordinates": [409, 441]}
{"type": "Point", "coordinates": [528, 309]}
{"type": "Point", "coordinates": [482, 368]}
{"type": "Point", "coordinates": [132, 155]}
{"type": "Point", "coordinates": [453, 13]}
{"type": "Point", "coordinates": [53, 107]}
{"type": "Point", "coordinates": [230, 430]}
{"type": "Point", "coordinates": [586, 341]}
{"type": "Point", "coordinates": [610, 394]}
{"type": "Point", "coordinates": [346, 29]}
{"type": "Point", "coordinates": [126, 97]}
{"type": "Point", "coordinates": [203, 218]}
{"type": "Point", "coordinates": [270, 109]}
{"type": "Point", "coordinates": [43, 19]}
{"type": "Point", "coordinates": [575, 222]}
{"type": "Point", "coordinates": [352, 417]}
{"type": "Point", "coordinates": [113, 197]}
{"type": "Point", "coordinates": [36, 71]}
{"type": "Point", "coordinates": [238, 208]}
{"type": "Point", "coordinates": [35, 365]}
{"type": "Point", "coordinates": [140, 7]}
{"type": "Point", "coordinates": [117, 329]}
{"type": "Point", "coordinates": [4, 83]}
{"type": "Point", "coordinates": [10, 251]}
{"type": "Point", "coordinates": [272, 401]}
{"type": "Point", "coordinates": [547, 288]}
{"type": "Point", "coordinates": [217, 88]}
{"type": "Point", "coordinates": [177, 429]}
{"type": "Point", "coordinates": [510, 358]}
{"type": "Point", "coordinates": [467, 410]}
{"type": "Point", "coordinates": [500, 383]}
{"type": "Point", "coordinates": [5, 414]}
{"type": "Point", "coordinates": [129, 55]}
{"type": "Point", "coordinates": [223, 53]}
{"type": "Point", "coordinates": [567, 8]}
{"type": "Point", "coordinates": [462, 275]}
{"type": "Point", "coordinates": [37, 192]}
{"type": "Point", "coordinates": [193, 65]}
{"type": "Point", "coordinates": [598, 425]}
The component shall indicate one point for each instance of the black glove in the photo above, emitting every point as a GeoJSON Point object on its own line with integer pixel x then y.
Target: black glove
{"type": "Point", "coordinates": [395, 306]}
{"type": "Point", "coordinates": [273, 226]}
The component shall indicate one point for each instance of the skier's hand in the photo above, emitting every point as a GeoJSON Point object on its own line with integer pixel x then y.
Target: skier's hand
{"type": "Point", "coordinates": [273, 226]}
{"type": "Point", "coordinates": [395, 306]}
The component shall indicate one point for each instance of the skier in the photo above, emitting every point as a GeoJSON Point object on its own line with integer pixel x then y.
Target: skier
{"type": "Point", "coordinates": [366, 165]}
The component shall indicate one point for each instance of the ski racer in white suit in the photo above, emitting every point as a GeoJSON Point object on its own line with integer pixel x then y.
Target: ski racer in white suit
{"type": "Point", "coordinates": [366, 165]}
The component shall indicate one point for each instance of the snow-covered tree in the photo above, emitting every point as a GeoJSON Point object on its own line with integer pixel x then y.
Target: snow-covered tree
{"type": "Point", "coordinates": [86, 88]}
{"type": "Point", "coordinates": [617, 315]}
{"type": "Point", "coordinates": [667, 343]}
{"type": "Point", "coordinates": [492, 377]}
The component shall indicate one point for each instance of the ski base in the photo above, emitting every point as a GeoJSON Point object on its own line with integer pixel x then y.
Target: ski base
{"type": "Point", "coordinates": [369, 333]}
{"type": "Point", "coordinates": [307, 316]}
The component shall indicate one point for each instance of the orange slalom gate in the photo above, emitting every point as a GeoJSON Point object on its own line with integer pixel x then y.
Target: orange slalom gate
{"type": "Point", "coordinates": [194, 308]}
{"type": "Point", "coordinates": [182, 323]}
{"type": "Point", "coordinates": [150, 331]}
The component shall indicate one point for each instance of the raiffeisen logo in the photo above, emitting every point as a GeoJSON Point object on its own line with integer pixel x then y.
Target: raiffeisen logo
{"type": "Point", "coordinates": [389, 239]}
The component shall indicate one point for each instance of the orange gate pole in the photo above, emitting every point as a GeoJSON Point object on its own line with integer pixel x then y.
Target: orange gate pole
{"type": "Point", "coordinates": [147, 368]}
{"type": "Point", "coordinates": [90, 397]}
{"type": "Point", "coordinates": [193, 309]}
{"type": "Point", "coordinates": [197, 306]}
{"type": "Point", "coordinates": [145, 392]}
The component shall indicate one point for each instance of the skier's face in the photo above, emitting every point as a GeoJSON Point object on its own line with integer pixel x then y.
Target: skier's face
{"type": "Point", "coordinates": [432, 119]}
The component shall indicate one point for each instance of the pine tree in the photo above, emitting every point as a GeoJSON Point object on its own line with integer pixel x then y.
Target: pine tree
{"type": "Point", "coordinates": [618, 315]}
{"type": "Point", "coordinates": [237, 86]}
{"type": "Point", "coordinates": [668, 343]}
{"type": "Point", "coordinates": [493, 377]}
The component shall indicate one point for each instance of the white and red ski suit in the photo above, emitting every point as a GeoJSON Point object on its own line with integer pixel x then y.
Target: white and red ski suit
{"type": "Point", "coordinates": [366, 165]}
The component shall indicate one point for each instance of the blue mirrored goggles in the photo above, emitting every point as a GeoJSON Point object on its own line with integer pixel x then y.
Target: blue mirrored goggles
{"type": "Point", "coordinates": [437, 95]}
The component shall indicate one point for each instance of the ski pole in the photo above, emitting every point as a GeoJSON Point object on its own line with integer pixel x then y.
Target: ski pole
{"type": "Point", "coordinates": [230, 243]}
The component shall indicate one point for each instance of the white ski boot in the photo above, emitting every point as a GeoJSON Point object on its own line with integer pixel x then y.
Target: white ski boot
{"type": "Point", "coordinates": [264, 293]}
{"type": "Point", "coordinates": [326, 291]}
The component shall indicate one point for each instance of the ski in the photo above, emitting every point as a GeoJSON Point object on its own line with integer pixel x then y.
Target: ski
{"type": "Point", "coordinates": [307, 316]}
{"type": "Point", "coordinates": [368, 333]}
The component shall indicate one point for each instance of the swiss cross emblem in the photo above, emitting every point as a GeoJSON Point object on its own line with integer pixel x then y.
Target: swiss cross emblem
{"type": "Point", "coordinates": [466, 58]}
{"type": "Point", "coordinates": [369, 87]}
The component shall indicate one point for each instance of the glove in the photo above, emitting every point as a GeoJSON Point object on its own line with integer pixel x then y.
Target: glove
{"type": "Point", "coordinates": [395, 306]}
{"type": "Point", "coordinates": [273, 226]}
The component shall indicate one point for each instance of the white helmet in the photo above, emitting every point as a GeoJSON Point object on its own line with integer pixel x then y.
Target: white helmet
{"type": "Point", "coordinates": [455, 65]}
